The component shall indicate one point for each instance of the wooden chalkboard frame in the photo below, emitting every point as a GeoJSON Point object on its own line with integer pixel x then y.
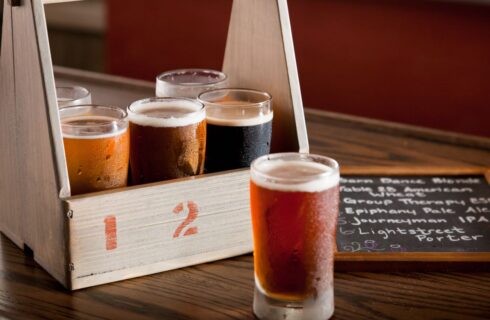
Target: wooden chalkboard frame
{"type": "Point", "coordinates": [413, 261]}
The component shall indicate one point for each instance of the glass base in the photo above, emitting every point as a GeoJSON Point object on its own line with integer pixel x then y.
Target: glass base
{"type": "Point", "coordinates": [267, 308]}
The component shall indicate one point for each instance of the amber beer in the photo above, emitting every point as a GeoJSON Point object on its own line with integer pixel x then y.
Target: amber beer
{"type": "Point", "coordinates": [294, 204]}
{"type": "Point", "coordinates": [168, 139]}
{"type": "Point", "coordinates": [96, 141]}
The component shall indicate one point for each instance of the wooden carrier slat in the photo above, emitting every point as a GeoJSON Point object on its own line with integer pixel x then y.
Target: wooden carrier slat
{"type": "Point", "coordinates": [260, 54]}
{"type": "Point", "coordinates": [33, 174]}
{"type": "Point", "coordinates": [148, 220]}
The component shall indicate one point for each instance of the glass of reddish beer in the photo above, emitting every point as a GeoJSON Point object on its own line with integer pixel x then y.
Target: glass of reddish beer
{"type": "Point", "coordinates": [294, 202]}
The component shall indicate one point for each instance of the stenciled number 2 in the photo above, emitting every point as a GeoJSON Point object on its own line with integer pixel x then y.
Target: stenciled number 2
{"type": "Point", "coordinates": [192, 212]}
{"type": "Point", "coordinates": [189, 207]}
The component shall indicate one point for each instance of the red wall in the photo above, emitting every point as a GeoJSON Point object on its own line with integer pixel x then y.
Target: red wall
{"type": "Point", "coordinates": [411, 61]}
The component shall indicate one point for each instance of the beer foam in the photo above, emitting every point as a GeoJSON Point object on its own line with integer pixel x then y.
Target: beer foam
{"type": "Point", "coordinates": [240, 120]}
{"type": "Point", "coordinates": [136, 114]}
{"type": "Point", "coordinates": [88, 131]}
{"type": "Point", "coordinates": [280, 175]}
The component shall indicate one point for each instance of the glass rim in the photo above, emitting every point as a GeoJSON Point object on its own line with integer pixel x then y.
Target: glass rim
{"type": "Point", "coordinates": [85, 91]}
{"type": "Point", "coordinates": [243, 104]}
{"type": "Point", "coordinates": [122, 115]}
{"type": "Point", "coordinates": [222, 77]}
{"type": "Point", "coordinates": [166, 100]}
{"type": "Point", "coordinates": [332, 164]}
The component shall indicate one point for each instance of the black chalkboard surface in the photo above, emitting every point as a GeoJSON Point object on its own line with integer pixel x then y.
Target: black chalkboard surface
{"type": "Point", "coordinates": [392, 215]}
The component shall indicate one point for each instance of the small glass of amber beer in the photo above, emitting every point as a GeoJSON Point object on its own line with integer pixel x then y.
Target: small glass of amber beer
{"type": "Point", "coordinates": [168, 139]}
{"type": "Point", "coordinates": [96, 141]}
{"type": "Point", "coordinates": [294, 203]}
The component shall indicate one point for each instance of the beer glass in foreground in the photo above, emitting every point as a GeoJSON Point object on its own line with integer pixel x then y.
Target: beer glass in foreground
{"type": "Point", "coordinates": [294, 203]}
{"type": "Point", "coordinates": [239, 127]}
{"type": "Point", "coordinates": [72, 96]}
{"type": "Point", "coordinates": [188, 83]}
{"type": "Point", "coordinates": [168, 139]}
{"type": "Point", "coordinates": [96, 141]}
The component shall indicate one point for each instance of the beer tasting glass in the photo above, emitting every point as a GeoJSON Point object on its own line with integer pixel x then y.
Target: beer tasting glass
{"type": "Point", "coordinates": [72, 96]}
{"type": "Point", "coordinates": [96, 141]}
{"type": "Point", "coordinates": [189, 83]}
{"type": "Point", "coordinates": [239, 127]}
{"type": "Point", "coordinates": [294, 203]}
{"type": "Point", "coordinates": [168, 139]}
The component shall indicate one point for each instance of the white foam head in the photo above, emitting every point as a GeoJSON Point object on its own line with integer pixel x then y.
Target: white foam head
{"type": "Point", "coordinates": [240, 120]}
{"type": "Point", "coordinates": [91, 127]}
{"type": "Point", "coordinates": [294, 175]}
{"type": "Point", "coordinates": [236, 107]}
{"type": "Point", "coordinates": [92, 121]}
{"type": "Point", "coordinates": [166, 112]}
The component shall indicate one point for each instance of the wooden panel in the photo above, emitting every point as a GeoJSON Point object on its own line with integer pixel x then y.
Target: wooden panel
{"type": "Point", "coordinates": [10, 224]}
{"type": "Point", "coordinates": [390, 128]}
{"type": "Point", "coordinates": [39, 185]}
{"type": "Point", "coordinates": [260, 54]}
{"type": "Point", "coordinates": [101, 86]}
{"type": "Point", "coordinates": [420, 62]}
{"type": "Point", "coordinates": [199, 43]}
{"type": "Point", "coordinates": [122, 234]}
{"type": "Point", "coordinates": [57, 1]}
{"type": "Point", "coordinates": [413, 170]}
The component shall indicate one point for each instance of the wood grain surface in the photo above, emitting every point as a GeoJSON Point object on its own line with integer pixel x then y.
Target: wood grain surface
{"type": "Point", "coordinates": [224, 289]}
{"type": "Point", "coordinates": [33, 166]}
{"type": "Point", "coordinates": [274, 70]}
{"type": "Point", "coordinates": [152, 227]}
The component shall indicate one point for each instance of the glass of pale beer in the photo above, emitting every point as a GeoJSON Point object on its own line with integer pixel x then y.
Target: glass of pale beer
{"type": "Point", "coordinates": [189, 83]}
{"type": "Point", "coordinates": [73, 96]}
{"type": "Point", "coordinates": [294, 203]}
{"type": "Point", "coordinates": [96, 140]}
{"type": "Point", "coordinates": [168, 139]}
{"type": "Point", "coordinates": [239, 127]}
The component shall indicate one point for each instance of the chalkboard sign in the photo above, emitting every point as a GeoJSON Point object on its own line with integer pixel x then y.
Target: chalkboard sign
{"type": "Point", "coordinates": [398, 213]}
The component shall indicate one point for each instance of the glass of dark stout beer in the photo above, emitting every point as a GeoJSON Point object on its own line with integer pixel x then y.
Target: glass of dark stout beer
{"type": "Point", "coordinates": [294, 203]}
{"type": "Point", "coordinates": [168, 139]}
{"type": "Point", "coordinates": [72, 96]}
{"type": "Point", "coordinates": [189, 83]}
{"type": "Point", "coordinates": [96, 140]}
{"type": "Point", "coordinates": [239, 127]}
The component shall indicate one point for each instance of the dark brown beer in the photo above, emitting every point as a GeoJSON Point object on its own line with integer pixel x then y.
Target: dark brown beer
{"type": "Point", "coordinates": [168, 139]}
{"type": "Point", "coordinates": [235, 143]}
{"type": "Point", "coordinates": [239, 127]}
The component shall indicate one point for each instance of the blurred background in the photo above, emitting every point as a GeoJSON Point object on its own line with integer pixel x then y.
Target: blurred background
{"type": "Point", "coordinates": [421, 62]}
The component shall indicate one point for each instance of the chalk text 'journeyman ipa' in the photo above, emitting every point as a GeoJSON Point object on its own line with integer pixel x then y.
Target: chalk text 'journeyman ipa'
{"type": "Point", "coordinates": [168, 139]}
{"type": "Point", "coordinates": [96, 140]}
{"type": "Point", "coordinates": [294, 203]}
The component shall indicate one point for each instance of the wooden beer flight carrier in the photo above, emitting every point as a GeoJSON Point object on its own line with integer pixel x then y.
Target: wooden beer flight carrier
{"type": "Point", "coordinates": [108, 236]}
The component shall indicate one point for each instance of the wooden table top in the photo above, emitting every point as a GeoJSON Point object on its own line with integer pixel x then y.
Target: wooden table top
{"type": "Point", "coordinates": [224, 289]}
